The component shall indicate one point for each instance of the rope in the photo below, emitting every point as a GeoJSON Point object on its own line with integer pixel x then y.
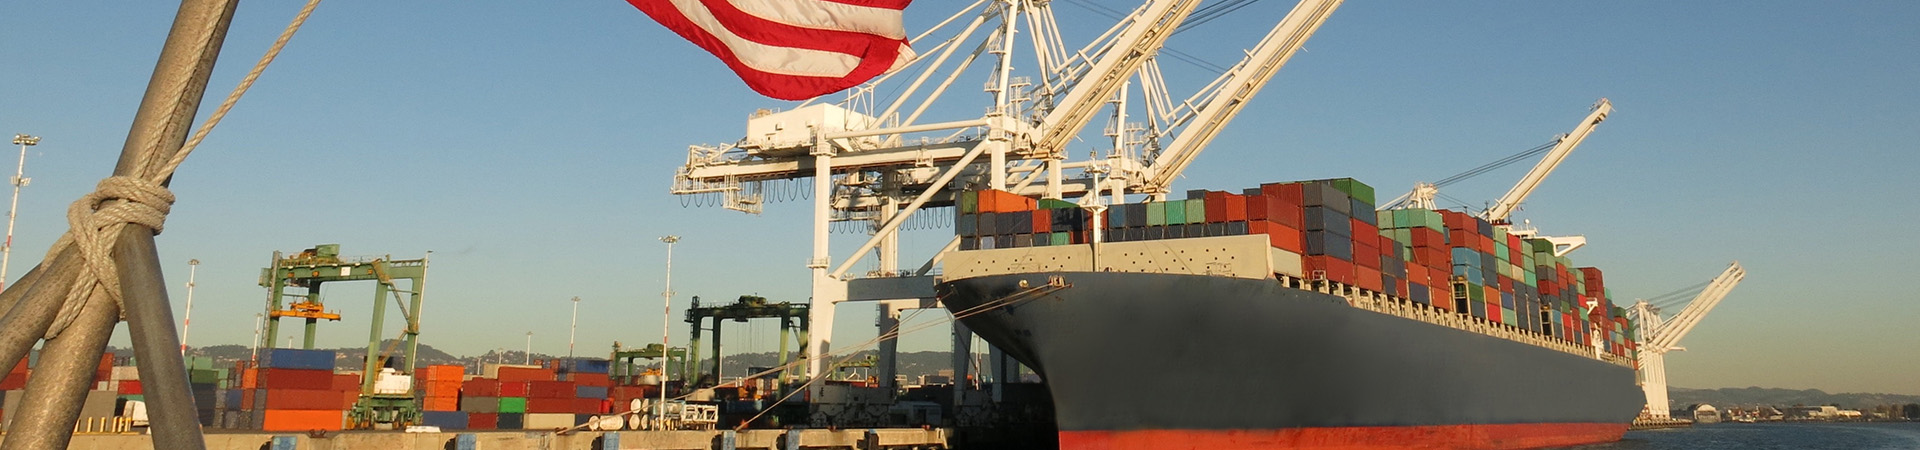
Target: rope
{"type": "Point", "coordinates": [95, 221]}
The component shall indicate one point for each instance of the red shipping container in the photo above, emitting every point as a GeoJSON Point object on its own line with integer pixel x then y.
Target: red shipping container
{"type": "Point", "coordinates": [346, 382]}
{"type": "Point", "coordinates": [1288, 193]}
{"type": "Point", "coordinates": [483, 421]}
{"type": "Point", "coordinates": [513, 389]}
{"type": "Point", "coordinates": [589, 405]}
{"type": "Point", "coordinates": [1279, 236]}
{"type": "Point", "coordinates": [1366, 255]}
{"type": "Point", "coordinates": [1493, 312]}
{"type": "Point", "coordinates": [551, 389]}
{"type": "Point", "coordinates": [481, 387]}
{"type": "Point", "coordinates": [304, 399]}
{"type": "Point", "coordinates": [550, 405]}
{"type": "Point", "coordinates": [1237, 207]}
{"type": "Point", "coordinates": [1506, 284]}
{"type": "Point", "coordinates": [1333, 269]}
{"type": "Point", "coordinates": [296, 379]}
{"type": "Point", "coordinates": [129, 387]}
{"type": "Point", "coordinates": [1442, 296]}
{"type": "Point", "coordinates": [246, 399]}
{"type": "Point", "coordinates": [525, 374]}
{"type": "Point", "coordinates": [1042, 221]}
{"type": "Point", "coordinates": [590, 379]}
{"type": "Point", "coordinates": [1367, 278]}
{"type": "Point", "coordinates": [299, 420]}
{"type": "Point", "coordinates": [349, 398]}
{"type": "Point", "coordinates": [1364, 232]}
{"type": "Point", "coordinates": [1216, 202]}
{"type": "Point", "coordinates": [1461, 239]}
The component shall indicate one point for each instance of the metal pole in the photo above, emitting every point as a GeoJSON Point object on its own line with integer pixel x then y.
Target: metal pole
{"type": "Point", "coordinates": [254, 356]}
{"type": "Point", "coordinates": [186, 320]}
{"type": "Point", "coordinates": [666, 319]}
{"type": "Point", "coordinates": [574, 327]}
{"type": "Point", "coordinates": [19, 180]}
{"type": "Point", "coordinates": [528, 359]}
{"type": "Point", "coordinates": [150, 324]}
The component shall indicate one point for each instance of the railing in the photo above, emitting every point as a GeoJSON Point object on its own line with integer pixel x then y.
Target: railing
{"type": "Point", "coordinates": [1407, 309]}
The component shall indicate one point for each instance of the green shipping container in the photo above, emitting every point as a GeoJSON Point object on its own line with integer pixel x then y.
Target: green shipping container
{"type": "Point", "coordinates": [513, 404]}
{"type": "Point", "coordinates": [1157, 213]}
{"type": "Point", "coordinates": [1507, 316]}
{"type": "Point", "coordinates": [969, 202]}
{"type": "Point", "coordinates": [1176, 212]}
{"type": "Point", "coordinates": [1050, 203]}
{"type": "Point", "coordinates": [1356, 189]}
{"type": "Point", "coordinates": [1196, 211]}
{"type": "Point", "coordinates": [1061, 239]}
{"type": "Point", "coordinates": [1476, 293]}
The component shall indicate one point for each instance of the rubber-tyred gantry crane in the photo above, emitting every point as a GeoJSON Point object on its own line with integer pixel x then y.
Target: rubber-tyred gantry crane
{"type": "Point", "coordinates": [1659, 335]}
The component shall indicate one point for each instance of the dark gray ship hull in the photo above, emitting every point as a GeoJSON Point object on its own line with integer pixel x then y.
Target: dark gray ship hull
{"type": "Point", "coordinates": [1139, 360]}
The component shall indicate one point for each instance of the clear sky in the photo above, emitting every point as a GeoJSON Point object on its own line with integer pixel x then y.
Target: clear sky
{"type": "Point", "coordinates": [529, 145]}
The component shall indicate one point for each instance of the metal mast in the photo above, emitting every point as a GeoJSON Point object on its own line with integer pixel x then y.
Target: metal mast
{"type": "Point", "coordinates": [574, 326]}
{"type": "Point", "coordinates": [1658, 335]}
{"type": "Point", "coordinates": [19, 180]}
{"type": "Point", "coordinates": [666, 319]}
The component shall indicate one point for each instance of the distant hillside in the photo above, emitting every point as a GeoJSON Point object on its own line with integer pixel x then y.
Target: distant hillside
{"type": "Point", "coordinates": [1755, 396]}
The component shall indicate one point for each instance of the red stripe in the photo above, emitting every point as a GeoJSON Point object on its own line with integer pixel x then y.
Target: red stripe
{"type": "Point", "coordinates": [877, 53]}
{"type": "Point", "coordinates": [1451, 437]}
{"type": "Point", "coordinates": [888, 4]}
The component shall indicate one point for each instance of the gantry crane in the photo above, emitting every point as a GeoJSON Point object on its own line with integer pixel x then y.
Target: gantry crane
{"type": "Point", "coordinates": [876, 157]}
{"type": "Point", "coordinates": [1423, 193]}
{"type": "Point", "coordinates": [1658, 335]}
{"type": "Point", "coordinates": [323, 264]}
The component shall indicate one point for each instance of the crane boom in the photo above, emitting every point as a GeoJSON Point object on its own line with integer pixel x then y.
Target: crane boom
{"type": "Point", "coordinates": [1137, 43]}
{"type": "Point", "coordinates": [1505, 207]}
{"type": "Point", "coordinates": [1668, 334]}
{"type": "Point", "coordinates": [1246, 79]}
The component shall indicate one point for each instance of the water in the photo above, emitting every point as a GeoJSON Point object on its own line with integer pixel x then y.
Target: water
{"type": "Point", "coordinates": [1768, 436]}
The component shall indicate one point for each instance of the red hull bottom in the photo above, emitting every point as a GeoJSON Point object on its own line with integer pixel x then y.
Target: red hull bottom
{"type": "Point", "coordinates": [1450, 437]}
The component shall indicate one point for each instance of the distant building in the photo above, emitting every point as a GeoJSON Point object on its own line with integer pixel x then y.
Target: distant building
{"type": "Point", "coordinates": [1703, 413]}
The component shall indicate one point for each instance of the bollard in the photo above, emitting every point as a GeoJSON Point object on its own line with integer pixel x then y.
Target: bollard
{"type": "Point", "coordinates": [871, 441]}
{"type": "Point", "coordinates": [609, 441]}
{"type": "Point", "coordinates": [285, 443]}
{"type": "Point", "coordinates": [466, 441]}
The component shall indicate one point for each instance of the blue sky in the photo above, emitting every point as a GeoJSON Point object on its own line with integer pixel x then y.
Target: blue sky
{"type": "Point", "coordinates": [529, 146]}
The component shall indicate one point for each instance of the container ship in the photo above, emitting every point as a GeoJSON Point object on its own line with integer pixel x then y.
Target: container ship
{"type": "Point", "coordinates": [1293, 315]}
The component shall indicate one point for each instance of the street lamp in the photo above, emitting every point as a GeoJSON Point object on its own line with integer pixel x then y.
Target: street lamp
{"type": "Point", "coordinates": [571, 328]}
{"type": "Point", "coordinates": [666, 319]}
{"type": "Point", "coordinates": [187, 320]}
{"type": "Point", "coordinates": [19, 180]}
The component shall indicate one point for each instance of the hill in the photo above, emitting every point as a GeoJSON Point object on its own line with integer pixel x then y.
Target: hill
{"type": "Point", "coordinates": [1755, 396]}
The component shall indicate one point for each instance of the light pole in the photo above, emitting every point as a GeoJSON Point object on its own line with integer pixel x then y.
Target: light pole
{"type": "Point", "coordinates": [19, 180]}
{"type": "Point", "coordinates": [666, 318]}
{"type": "Point", "coordinates": [528, 359]}
{"type": "Point", "coordinates": [571, 328]}
{"type": "Point", "coordinates": [257, 319]}
{"type": "Point", "coordinates": [187, 320]}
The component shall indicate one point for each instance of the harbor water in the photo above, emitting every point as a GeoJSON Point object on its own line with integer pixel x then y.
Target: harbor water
{"type": "Point", "coordinates": [1765, 436]}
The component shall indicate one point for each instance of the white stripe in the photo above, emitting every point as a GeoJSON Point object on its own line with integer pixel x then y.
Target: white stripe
{"type": "Point", "coordinates": [768, 58]}
{"type": "Point", "coordinates": [825, 15]}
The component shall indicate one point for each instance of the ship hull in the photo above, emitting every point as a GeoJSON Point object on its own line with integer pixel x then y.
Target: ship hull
{"type": "Point", "coordinates": [1188, 361]}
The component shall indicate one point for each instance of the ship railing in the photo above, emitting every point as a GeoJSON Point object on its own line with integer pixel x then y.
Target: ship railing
{"type": "Point", "coordinates": [1404, 308]}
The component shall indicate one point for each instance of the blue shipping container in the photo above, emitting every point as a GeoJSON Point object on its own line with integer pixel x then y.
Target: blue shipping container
{"type": "Point", "coordinates": [590, 392]}
{"type": "Point", "coordinates": [446, 420]}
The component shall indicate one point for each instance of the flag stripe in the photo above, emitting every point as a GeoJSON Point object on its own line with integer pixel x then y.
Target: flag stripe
{"type": "Point", "coordinates": [828, 15]}
{"type": "Point", "coordinates": [780, 59]}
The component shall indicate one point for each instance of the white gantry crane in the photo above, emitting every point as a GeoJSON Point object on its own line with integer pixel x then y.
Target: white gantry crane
{"type": "Point", "coordinates": [878, 156]}
{"type": "Point", "coordinates": [1659, 335]}
{"type": "Point", "coordinates": [1423, 193]}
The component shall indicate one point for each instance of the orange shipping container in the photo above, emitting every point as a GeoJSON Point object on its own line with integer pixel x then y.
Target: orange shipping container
{"type": "Point", "coordinates": [440, 372]}
{"type": "Point", "coordinates": [509, 374]}
{"type": "Point", "coordinates": [304, 399]}
{"type": "Point", "coordinates": [440, 388]}
{"type": "Point", "coordinates": [440, 404]}
{"type": "Point", "coordinates": [250, 379]}
{"type": "Point", "coordinates": [296, 420]}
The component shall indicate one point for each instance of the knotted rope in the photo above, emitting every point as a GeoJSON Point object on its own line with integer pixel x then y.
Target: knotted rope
{"type": "Point", "coordinates": [94, 222]}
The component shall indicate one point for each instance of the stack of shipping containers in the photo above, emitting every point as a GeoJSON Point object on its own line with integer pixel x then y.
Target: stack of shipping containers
{"type": "Point", "coordinates": [1329, 230]}
{"type": "Point", "coordinates": [438, 389]}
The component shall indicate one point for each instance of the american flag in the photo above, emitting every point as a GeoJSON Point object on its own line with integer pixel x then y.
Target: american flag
{"type": "Point", "coordinates": [792, 49]}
